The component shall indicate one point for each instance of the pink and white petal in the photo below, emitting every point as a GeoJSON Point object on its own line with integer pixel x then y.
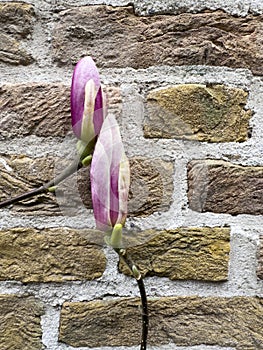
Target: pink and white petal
{"type": "Point", "coordinates": [100, 188]}
{"type": "Point", "coordinates": [123, 189]}
{"type": "Point", "coordinates": [87, 127]}
{"type": "Point", "coordinates": [114, 194]}
{"type": "Point", "coordinates": [110, 176]}
{"type": "Point", "coordinates": [84, 70]}
{"type": "Point", "coordinates": [98, 116]}
{"type": "Point", "coordinates": [100, 174]}
{"type": "Point", "coordinates": [117, 150]}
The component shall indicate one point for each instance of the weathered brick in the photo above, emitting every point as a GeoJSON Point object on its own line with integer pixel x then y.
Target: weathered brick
{"type": "Point", "coordinates": [186, 321]}
{"type": "Point", "coordinates": [16, 23]}
{"type": "Point", "coordinates": [20, 323]}
{"type": "Point", "coordinates": [42, 109]}
{"type": "Point", "coordinates": [51, 255]}
{"type": "Point", "coordinates": [222, 187]}
{"type": "Point", "coordinates": [183, 253]}
{"type": "Point", "coordinates": [120, 38]}
{"type": "Point", "coordinates": [16, 18]}
{"type": "Point", "coordinates": [34, 109]}
{"type": "Point", "coordinates": [11, 52]}
{"type": "Point", "coordinates": [151, 186]}
{"type": "Point", "coordinates": [21, 174]}
{"type": "Point", "coordinates": [219, 114]}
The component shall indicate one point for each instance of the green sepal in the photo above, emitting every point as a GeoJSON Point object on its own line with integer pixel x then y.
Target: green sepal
{"type": "Point", "coordinates": [136, 273]}
{"type": "Point", "coordinates": [116, 236]}
{"type": "Point", "coordinates": [85, 149]}
{"type": "Point", "coordinates": [87, 160]}
{"type": "Point", "coordinates": [52, 189]}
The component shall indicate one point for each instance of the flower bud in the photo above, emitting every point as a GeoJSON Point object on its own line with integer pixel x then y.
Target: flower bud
{"type": "Point", "coordinates": [110, 177]}
{"type": "Point", "coordinates": [88, 105]}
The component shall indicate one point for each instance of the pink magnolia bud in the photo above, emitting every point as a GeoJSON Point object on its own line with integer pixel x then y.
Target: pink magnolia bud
{"type": "Point", "coordinates": [110, 177]}
{"type": "Point", "coordinates": [87, 100]}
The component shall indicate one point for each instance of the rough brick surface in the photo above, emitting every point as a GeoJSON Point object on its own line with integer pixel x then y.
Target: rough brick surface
{"type": "Point", "coordinates": [120, 38]}
{"type": "Point", "coordinates": [20, 174]}
{"type": "Point", "coordinates": [184, 253]}
{"type": "Point", "coordinates": [16, 23]}
{"type": "Point", "coordinates": [16, 18]}
{"type": "Point", "coordinates": [34, 109]}
{"type": "Point", "coordinates": [11, 52]}
{"type": "Point", "coordinates": [50, 255]}
{"type": "Point", "coordinates": [151, 185]}
{"type": "Point", "coordinates": [223, 187]}
{"type": "Point", "coordinates": [50, 114]}
{"type": "Point", "coordinates": [20, 323]}
{"type": "Point", "coordinates": [197, 112]}
{"type": "Point", "coordinates": [186, 321]}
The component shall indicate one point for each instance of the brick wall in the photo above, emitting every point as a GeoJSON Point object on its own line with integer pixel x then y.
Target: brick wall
{"type": "Point", "coordinates": [185, 82]}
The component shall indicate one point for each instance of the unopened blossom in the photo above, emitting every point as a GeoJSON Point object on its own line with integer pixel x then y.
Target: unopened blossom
{"type": "Point", "coordinates": [88, 107]}
{"type": "Point", "coordinates": [110, 177]}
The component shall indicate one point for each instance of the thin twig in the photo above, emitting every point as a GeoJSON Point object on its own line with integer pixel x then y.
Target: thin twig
{"type": "Point", "coordinates": [145, 316]}
{"type": "Point", "coordinates": [71, 169]}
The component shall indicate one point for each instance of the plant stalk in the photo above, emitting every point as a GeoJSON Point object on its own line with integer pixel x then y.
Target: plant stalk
{"type": "Point", "coordinates": [137, 275]}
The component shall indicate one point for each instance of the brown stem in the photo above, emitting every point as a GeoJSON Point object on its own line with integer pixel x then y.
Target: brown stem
{"type": "Point", "coordinates": [145, 316]}
{"type": "Point", "coordinates": [137, 275]}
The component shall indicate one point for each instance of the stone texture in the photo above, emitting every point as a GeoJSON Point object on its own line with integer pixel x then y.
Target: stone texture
{"type": "Point", "coordinates": [207, 38]}
{"type": "Point", "coordinates": [20, 323]}
{"type": "Point", "coordinates": [12, 53]}
{"type": "Point", "coordinates": [222, 187]}
{"type": "Point", "coordinates": [16, 24]}
{"type": "Point", "coordinates": [34, 109]}
{"type": "Point", "coordinates": [16, 18]}
{"type": "Point", "coordinates": [151, 186]}
{"type": "Point", "coordinates": [186, 321]}
{"type": "Point", "coordinates": [183, 253]}
{"type": "Point", "coordinates": [20, 174]}
{"type": "Point", "coordinates": [197, 112]}
{"type": "Point", "coordinates": [235, 7]}
{"type": "Point", "coordinates": [260, 258]}
{"type": "Point", "coordinates": [50, 255]}
{"type": "Point", "coordinates": [42, 109]}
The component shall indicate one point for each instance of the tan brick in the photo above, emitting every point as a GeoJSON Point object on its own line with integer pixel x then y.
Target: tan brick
{"type": "Point", "coordinates": [219, 114]}
{"type": "Point", "coordinates": [11, 52]}
{"type": "Point", "coordinates": [20, 174]}
{"type": "Point", "coordinates": [16, 23]}
{"type": "Point", "coordinates": [223, 187]}
{"type": "Point", "coordinates": [51, 255]}
{"type": "Point", "coordinates": [16, 18]}
{"type": "Point", "coordinates": [20, 323]}
{"type": "Point", "coordinates": [186, 321]}
{"type": "Point", "coordinates": [34, 109]}
{"type": "Point", "coordinates": [120, 38]}
{"type": "Point", "coordinates": [183, 253]}
{"type": "Point", "coordinates": [151, 186]}
{"type": "Point", "coordinates": [42, 109]}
